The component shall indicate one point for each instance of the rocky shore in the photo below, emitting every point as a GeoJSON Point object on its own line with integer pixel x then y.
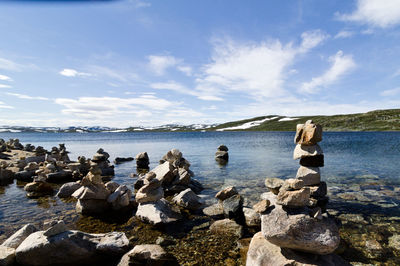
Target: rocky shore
{"type": "Point", "coordinates": [163, 219]}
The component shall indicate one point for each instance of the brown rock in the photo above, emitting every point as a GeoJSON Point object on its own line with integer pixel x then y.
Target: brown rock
{"type": "Point", "coordinates": [226, 193]}
{"type": "Point", "coordinates": [274, 184]}
{"type": "Point", "coordinates": [294, 199]}
{"type": "Point", "coordinates": [302, 151]}
{"type": "Point", "coordinates": [308, 133]}
{"type": "Point", "coordinates": [261, 206]}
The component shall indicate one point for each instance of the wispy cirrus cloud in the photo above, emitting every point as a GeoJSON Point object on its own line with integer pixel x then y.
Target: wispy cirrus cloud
{"type": "Point", "coordinates": [5, 106]}
{"type": "Point", "coordinates": [69, 72]}
{"type": "Point", "coordinates": [159, 64]}
{"type": "Point", "coordinates": [341, 65]}
{"type": "Point", "coordinates": [343, 34]}
{"type": "Point", "coordinates": [4, 86]}
{"type": "Point", "coordinates": [391, 92]}
{"type": "Point", "coordinates": [375, 13]}
{"type": "Point", "coordinates": [5, 78]}
{"type": "Point", "coordinates": [27, 97]}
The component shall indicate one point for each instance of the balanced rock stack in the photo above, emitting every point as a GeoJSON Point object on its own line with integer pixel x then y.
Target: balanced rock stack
{"type": "Point", "coordinates": [222, 154]}
{"type": "Point", "coordinates": [101, 159]}
{"type": "Point", "coordinates": [142, 160]}
{"type": "Point", "coordinates": [3, 145]}
{"type": "Point", "coordinates": [294, 222]}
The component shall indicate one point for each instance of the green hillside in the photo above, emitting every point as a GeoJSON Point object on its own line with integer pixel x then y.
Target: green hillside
{"type": "Point", "coordinates": [380, 120]}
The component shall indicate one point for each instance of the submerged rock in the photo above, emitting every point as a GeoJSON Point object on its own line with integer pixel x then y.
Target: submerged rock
{"type": "Point", "coordinates": [148, 255]}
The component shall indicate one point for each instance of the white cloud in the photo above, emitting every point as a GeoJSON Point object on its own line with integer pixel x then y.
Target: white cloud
{"type": "Point", "coordinates": [5, 78]}
{"type": "Point", "coordinates": [160, 63]}
{"type": "Point", "coordinates": [4, 106]}
{"type": "Point", "coordinates": [341, 65]}
{"type": "Point", "coordinates": [27, 97]}
{"type": "Point", "coordinates": [140, 4]}
{"type": "Point", "coordinates": [343, 34]}
{"type": "Point", "coordinates": [69, 72]}
{"type": "Point", "coordinates": [3, 86]}
{"type": "Point", "coordinates": [376, 13]}
{"type": "Point", "coordinates": [6, 64]}
{"type": "Point", "coordinates": [392, 92]}
{"type": "Point", "coordinates": [255, 69]}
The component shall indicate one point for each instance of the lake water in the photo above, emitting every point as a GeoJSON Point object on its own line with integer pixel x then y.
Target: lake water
{"type": "Point", "coordinates": [362, 169]}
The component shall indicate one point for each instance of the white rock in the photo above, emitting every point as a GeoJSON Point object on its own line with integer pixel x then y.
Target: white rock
{"type": "Point", "coordinates": [7, 256]}
{"type": "Point", "coordinates": [301, 151]}
{"type": "Point", "coordinates": [188, 199]}
{"type": "Point", "coordinates": [310, 175]}
{"type": "Point", "coordinates": [16, 239]}
{"type": "Point", "coordinates": [159, 212]}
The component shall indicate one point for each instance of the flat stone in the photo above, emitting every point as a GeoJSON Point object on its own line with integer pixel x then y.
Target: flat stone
{"type": "Point", "coordinates": [215, 211]}
{"type": "Point", "coordinates": [310, 175]}
{"type": "Point", "coordinates": [149, 196]}
{"type": "Point", "coordinates": [292, 184]}
{"type": "Point", "coordinates": [227, 227]}
{"type": "Point", "coordinates": [301, 151]}
{"type": "Point", "coordinates": [294, 199]}
{"type": "Point", "coordinates": [226, 193]}
{"type": "Point", "coordinates": [16, 239]}
{"type": "Point", "coordinates": [188, 199]}
{"type": "Point", "coordinates": [159, 212]}
{"type": "Point", "coordinates": [274, 184]}
{"type": "Point", "coordinates": [313, 161]}
{"type": "Point", "coordinates": [263, 253]}
{"type": "Point", "coordinates": [261, 206]}
{"type": "Point", "coordinates": [295, 229]}
{"type": "Point", "coordinates": [56, 229]}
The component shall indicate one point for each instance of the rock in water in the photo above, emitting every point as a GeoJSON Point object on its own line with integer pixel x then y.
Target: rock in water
{"type": "Point", "coordinates": [147, 255]}
{"type": "Point", "coordinates": [159, 212]}
{"type": "Point", "coordinates": [263, 253]}
{"type": "Point", "coordinates": [295, 229]}
{"type": "Point", "coordinates": [226, 193]}
{"type": "Point", "coordinates": [16, 239]}
{"type": "Point", "coordinates": [69, 248]}
{"type": "Point", "coordinates": [68, 189]}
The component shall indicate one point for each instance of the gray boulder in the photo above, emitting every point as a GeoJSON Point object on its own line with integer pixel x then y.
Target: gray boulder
{"type": "Point", "coordinates": [69, 248]}
{"type": "Point", "coordinates": [252, 218]}
{"type": "Point", "coordinates": [310, 175]}
{"type": "Point", "coordinates": [233, 207]}
{"type": "Point", "coordinates": [159, 212]}
{"type": "Point", "coordinates": [68, 189]}
{"type": "Point", "coordinates": [164, 173]}
{"type": "Point", "coordinates": [188, 199]}
{"type": "Point", "coordinates": [215, 211]}
{"type": "Point", "coordinates": [262, 253]}
{"type": "Point", "coordinates": [16, 239]}
{"type": "Point", "coordinates": [295, 229]}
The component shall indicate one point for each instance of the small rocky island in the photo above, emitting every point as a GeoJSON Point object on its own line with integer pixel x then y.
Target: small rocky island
{"type": "Point", "coordinates": [288, 226]}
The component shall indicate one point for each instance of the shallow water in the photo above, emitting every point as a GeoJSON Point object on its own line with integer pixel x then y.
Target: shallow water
{"type": "Point", "coordinates": [361, 168]}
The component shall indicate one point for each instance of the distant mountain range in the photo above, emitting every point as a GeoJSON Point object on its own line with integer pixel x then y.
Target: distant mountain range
{"type": "Point", "coordinates": [379, 120]}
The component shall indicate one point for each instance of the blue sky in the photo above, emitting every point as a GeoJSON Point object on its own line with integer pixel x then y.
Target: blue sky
{"type": "Point", "coordinates": [137, 62]}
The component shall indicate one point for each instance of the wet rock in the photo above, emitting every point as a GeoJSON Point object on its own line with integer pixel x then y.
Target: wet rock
{"type": "Point", "coordinates": [215, 211]}
{"type": "Point", "coordinates": [159, 212]}
{"type": "Point", "coordinates": [252, 218]}
{"type": "Point", "coordinates": [227, 227]}
{"type": "Point", "coordinates": [294, 199]}
{"type": "Point", "coordinates": [92, 206]}
{"type": "Point", "coordinates": [142, 160]}
{"type": "Point", "coordinates": [6, 175]}
{"type": "Point", "coordinates": [313, 161]}
{"type": "Point", "coordinates": [147, 255]}
{"type": "Point", "coordinates": [302, 151]}
{"type": "Point", "coordinates": [233, 207]}
{"type": "Point", "coordinates": [222, 155]}
{"type": "Point", "coordinates": [295, 229]}
{"type": "Point", "coordinates": [7, 256]}
{"type": "Point", "coordinates": [38, 189]}
{"type": "Point", "coordinates": [16, 239]}
{"type": "Point", "coordinates": [196, 186]}
{"type": "Point", "coordinates": [119, 160]}
{"type": "Point", "coordinates": [226, 193]}
{"type": "Point", "coordinates": [68, 189]}
{"type": "Point", "coordinates": [308, 133]}
{"type": "Point", "coordinates": [274, 184]}
{"type": "Point", "coordinates": [188, 199]}
{"type": "Point", "coordinates": [59, 176]}
{"type": "Point", "coordinates": [261, 253]}
{"type": "Point", "coordinates": [69, 247]}
{"type": "Point", "coordinates": [222, 147]}
{"type": "Point", "coordinates": [310, 175]}
{"type": "Point", "coordinates": [261, 206]}
{"type": "Point", "coordinates": [24, 175]}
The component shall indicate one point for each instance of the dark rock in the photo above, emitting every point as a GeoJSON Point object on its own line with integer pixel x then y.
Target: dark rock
{"type": "Point", "coordinates": [313, 161]}
{"type": "Point", "coordinates": [119, 160]}
{"type": "Point", "coordinates": [233, 207]}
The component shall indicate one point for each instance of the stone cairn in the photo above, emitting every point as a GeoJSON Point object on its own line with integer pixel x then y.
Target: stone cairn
{"type": "Point", "coordinates": [295, 221]}
{"type": "Point", "coordinates": [142, 161]}
{"type": "Point", "coordinates": [171, 177]}
{"type": "Point", "coordinates": [222, 155]}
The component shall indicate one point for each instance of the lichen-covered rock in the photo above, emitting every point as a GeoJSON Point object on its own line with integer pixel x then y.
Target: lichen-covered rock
{"type": "Point", "coordinates": [295, 229]}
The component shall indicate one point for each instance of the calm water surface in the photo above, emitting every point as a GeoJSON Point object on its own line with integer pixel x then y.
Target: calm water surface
{"type": "Point", "coordinates": [352, 159]}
